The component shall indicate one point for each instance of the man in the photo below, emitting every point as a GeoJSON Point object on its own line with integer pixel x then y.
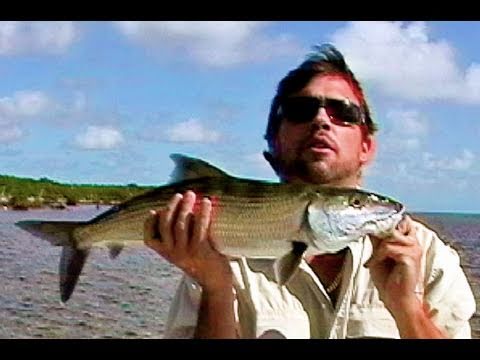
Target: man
{"type": "Point", "coordinates": [409, 285]}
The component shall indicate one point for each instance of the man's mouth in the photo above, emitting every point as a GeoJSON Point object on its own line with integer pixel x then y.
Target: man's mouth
{"type": "Point", "coordinates": [320, 145]}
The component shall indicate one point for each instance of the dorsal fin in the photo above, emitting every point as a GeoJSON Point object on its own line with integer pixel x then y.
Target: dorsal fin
{"type": "Point", "coordinates": [187, 167]}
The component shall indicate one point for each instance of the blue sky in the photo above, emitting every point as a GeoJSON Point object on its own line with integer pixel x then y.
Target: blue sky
{"type": "Point", "coordinates": [107, 102]}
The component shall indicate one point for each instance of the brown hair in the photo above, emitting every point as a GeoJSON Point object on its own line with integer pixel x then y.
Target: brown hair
{"type": "Point", "coordinates": [324, 60]}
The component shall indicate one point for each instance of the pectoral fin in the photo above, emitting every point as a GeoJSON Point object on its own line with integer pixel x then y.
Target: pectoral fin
{"type": "Point", "coordinates": [114, 249]}
{"type": "Point", "coordinates": [287, 265]}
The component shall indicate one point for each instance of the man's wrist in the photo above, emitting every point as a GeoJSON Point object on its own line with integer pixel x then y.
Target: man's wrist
{"type": "Point", "coordinates": [408, 308]}
{"type": "Point", "coordinates": [219, 290]}
{"type": "Point", "coordinates": [413, 321]}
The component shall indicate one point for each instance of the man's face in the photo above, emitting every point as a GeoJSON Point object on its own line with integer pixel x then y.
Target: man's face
{"type": "Point", "coordinates": [323, 151]}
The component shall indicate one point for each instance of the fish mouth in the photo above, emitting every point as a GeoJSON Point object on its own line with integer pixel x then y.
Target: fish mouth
{"type": "Point", "coordinates": [385, 224]}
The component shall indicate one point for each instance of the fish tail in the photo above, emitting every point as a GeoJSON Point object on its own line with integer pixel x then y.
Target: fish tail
{"type": "Point", "coordinates": [60, 233]}
{"type": "Point", "coordinates": [71, 265]}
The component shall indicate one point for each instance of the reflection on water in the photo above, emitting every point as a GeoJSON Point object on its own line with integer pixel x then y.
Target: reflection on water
{"type": "Point", "coordinates": [128, 297]}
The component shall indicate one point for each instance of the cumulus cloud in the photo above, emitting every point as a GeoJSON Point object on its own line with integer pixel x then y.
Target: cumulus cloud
{"type": "Point", "coordinates": [24, 104]}
{"type": "Point", "coordinates": [212, 43]}
{"type": "Point", "coordinates": [405, 60]}
{"type": "Point", "coordinates": [462, 162]}
{"type": "Point", "coordinates": [423, 168]}
{"type": "Point", "coordinates": [192, 130]}
{"type": "Point", "coordinates": [407, 131]}
{"type": "Point", "coordinates": [409, 172]}
{"type": "Point", "coordinates": [27, 37]}
{"type": "Point", "coordinates": [99, 138]}
{"type": "Point", "coordinates": [9, 134]}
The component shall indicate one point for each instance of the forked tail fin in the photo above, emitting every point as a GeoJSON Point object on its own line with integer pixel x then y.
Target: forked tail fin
{"type": "Point", "coordinates": [58, 233]}
{"type": "Point", "coordinates": [72, 260]}
{"type": "Point", "coordinates": [71, 265]}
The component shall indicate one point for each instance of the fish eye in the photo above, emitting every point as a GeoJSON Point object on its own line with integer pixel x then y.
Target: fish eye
{"type": "Point", "coordinates": [355, 202]}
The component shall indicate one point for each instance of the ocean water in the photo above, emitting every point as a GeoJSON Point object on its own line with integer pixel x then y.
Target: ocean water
{"type": "Point", "coordinates": [462, 231]}
{"type": "Point", "coordinates": [129, 297]}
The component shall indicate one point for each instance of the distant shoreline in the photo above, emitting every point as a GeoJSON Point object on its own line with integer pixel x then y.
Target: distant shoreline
{"type": "Point", "coordinates": [46, 207]}
{"type": "Point", "coordinates": [24, 193]}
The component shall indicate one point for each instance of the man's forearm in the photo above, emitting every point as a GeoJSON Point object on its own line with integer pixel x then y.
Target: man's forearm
{"type": "Point", "coordinates": [216, 318]}
{"type": "Point", "coordinates": [414, 323]}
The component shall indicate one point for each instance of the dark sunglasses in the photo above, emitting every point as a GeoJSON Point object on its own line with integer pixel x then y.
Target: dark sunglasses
{"type": "Point", "coordinates": [302, 109]}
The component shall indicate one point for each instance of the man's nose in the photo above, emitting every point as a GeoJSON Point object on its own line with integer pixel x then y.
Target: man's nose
{"type": "Point", "coordinates": [322, 119]}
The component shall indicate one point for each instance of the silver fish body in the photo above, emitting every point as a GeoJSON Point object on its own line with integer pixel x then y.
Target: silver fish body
{"type": "Point", "coordinates": [250, 218]}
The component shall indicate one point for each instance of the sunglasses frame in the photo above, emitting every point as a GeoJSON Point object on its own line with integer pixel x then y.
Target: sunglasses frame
{"type": "Point", "coordinates": [325, 102]}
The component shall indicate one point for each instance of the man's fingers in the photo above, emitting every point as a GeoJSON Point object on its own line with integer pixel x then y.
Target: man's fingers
{"type": "Point", "coordinates": [397, 238]}
{"type": "Point", "coordinates": [183, 220]}
{"type": "Point", "coordinates": [396, 252]}
{"type": "Point", "coordinates": [166, 219]}
{"type": "Point", "coordinates": [405, 225]}
{"type": "Point", "coordinates": [202, 222]}
{"type": "Point", "coordinates": [398, 248]}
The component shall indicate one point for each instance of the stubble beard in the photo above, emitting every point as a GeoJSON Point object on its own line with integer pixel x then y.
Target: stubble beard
{"type": "Point", "coordinates": [318, 171]}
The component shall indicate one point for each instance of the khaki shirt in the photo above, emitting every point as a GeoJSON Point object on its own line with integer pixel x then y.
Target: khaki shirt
{"type": "Point", "coordinates": [303, 309]}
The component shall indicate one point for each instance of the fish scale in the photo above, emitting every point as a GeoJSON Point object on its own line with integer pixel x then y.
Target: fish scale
{"type": "Point", "coordinates": [251, 218]}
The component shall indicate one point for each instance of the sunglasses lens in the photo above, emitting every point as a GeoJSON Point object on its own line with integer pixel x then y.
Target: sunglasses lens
{"type": "Point", "coordinates": [342, 112]}
{"type": "Point", "coordinates": [300, 109]}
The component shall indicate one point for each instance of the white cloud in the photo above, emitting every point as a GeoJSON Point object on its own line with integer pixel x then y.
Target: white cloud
{"type": "Point", "coordinates": [404, 60]}
{"type": "Point", "coordinates": [408, 172]}
{"type": "Point", "coordinates": [213, 43]}
{"type": "Point", "coordinates": [99, 138]}
{"type": "Point", "coordinates": [20, 106]}
{"type": "Point", "coordinates": [192, 130]}
{"type": "Point", "coordinates": [408, 131]}
{"type": "Point", "coordinates": [408, 122]}
{"type": "Point", "coordinates": [27, 37]}
{"type": "Point", "coordinates": [10, 133]}
{"type": "Point", "coordinates": [24, 104]}
{"type": "Point", "coordinates": [462, 162]}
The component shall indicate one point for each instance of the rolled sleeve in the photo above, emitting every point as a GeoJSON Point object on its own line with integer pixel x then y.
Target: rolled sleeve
{"type": "Point", "coordinates": [447, 291]}
{"type": "Point", "coordinates": [183, 313]}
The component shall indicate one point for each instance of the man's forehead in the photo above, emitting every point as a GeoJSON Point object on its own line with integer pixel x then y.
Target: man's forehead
{"type": "Point", "coordinates": [331, 85]}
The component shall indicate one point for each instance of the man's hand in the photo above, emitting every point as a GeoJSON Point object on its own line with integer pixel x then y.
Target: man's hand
{"type": "Point", "coordinates": [395, 268]}
{"type": "Point", "coordinates": [182, 237]}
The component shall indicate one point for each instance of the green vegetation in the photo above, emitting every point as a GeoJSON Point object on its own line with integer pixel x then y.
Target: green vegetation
{"type": "Point", "coordinates": [18, 192]}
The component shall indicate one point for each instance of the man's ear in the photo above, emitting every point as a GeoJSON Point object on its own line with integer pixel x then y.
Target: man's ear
{"type": "Point", "coordinates": [369, 148]}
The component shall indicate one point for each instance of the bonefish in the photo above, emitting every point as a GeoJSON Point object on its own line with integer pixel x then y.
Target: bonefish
{"type": "Point", "coordinates": [250, 218]}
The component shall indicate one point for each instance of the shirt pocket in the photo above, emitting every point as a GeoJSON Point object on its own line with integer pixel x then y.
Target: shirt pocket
{"type": "Point", "coordinates": [373, 321]}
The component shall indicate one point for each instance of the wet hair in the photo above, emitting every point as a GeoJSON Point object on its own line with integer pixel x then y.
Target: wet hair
{"type": "Point", "coordinates": [325, 59]}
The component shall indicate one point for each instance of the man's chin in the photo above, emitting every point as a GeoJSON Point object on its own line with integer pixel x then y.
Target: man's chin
{"type": "Point", "coordinates": [309, 170]}
{"type": "Point", "coordinates": [317, 172]}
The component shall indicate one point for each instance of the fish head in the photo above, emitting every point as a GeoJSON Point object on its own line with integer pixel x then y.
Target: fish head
{"type": "Point", "coordinates": [338, 216]}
